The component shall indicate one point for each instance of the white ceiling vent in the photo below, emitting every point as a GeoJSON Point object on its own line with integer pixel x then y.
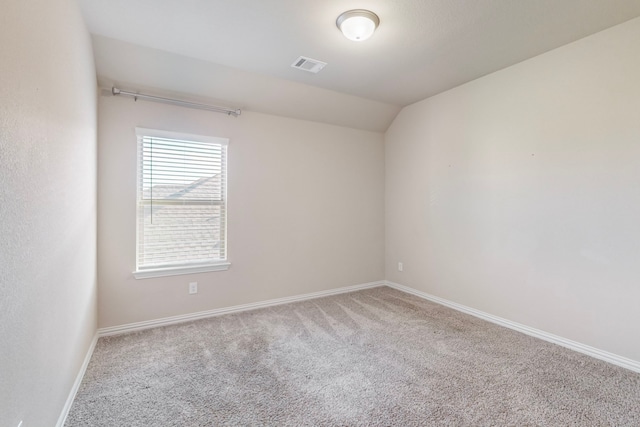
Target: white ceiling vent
{"type": "Point", "coordinates": [308, 64]}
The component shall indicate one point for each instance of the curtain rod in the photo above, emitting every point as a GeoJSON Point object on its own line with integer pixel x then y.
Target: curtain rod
{"type": "Point", "coordinates": [135, 95]}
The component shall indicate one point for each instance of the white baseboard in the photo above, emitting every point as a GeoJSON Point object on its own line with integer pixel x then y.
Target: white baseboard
{"type": "Point", "coordinates": [138, 326]}
{"type": "Point", "coordinates": [612, 358]}
{"type": "Point", "coordinates": [76, 384]}
{"type": "Point", "coordinates": [131, 327]}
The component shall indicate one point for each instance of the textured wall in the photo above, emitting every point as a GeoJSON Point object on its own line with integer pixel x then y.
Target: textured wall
{"type": "Point", "coordinates": [306, 210]}
{"type": "Point", "coordinates": [47, 207]}
{"type": "Point", "coordinates": [518, 194]}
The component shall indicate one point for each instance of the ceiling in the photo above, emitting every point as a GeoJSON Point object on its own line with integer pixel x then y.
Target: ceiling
{"type": "Point", "coordinates": [241, 51]}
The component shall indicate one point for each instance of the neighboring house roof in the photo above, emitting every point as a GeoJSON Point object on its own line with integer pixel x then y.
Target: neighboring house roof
{"type": "Point", "coordinates": [175, 233]}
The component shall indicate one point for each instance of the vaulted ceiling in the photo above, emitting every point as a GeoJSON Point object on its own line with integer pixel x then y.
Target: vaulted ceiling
{"type": "Point", "coordinates": [240, 52]}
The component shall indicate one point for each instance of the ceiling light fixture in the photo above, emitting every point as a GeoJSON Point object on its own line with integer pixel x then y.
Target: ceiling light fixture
{"type": "Point", "coordinates": [358, 24]}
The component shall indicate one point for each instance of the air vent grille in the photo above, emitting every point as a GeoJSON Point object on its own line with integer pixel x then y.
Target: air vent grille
{"type": "Point", "coordinates": [307, 64]}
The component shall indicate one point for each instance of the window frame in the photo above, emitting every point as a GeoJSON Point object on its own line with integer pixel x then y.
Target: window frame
{"type": "Point", "coordinates": [186, 267]}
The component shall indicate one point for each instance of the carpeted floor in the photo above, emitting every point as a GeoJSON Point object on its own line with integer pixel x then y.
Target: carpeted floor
{"type": "Point", "coordinates": [377, 357]}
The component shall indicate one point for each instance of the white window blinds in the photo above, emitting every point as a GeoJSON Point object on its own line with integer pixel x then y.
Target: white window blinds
{"type": "Point", "coordinates": [181, 219]}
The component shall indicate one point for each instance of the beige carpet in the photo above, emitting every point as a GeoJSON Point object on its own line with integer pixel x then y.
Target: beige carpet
{"type": "Point", "coordinates": [377, 357]}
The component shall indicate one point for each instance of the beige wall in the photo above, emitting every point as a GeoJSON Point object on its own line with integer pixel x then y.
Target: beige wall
{"type": "Point", "coordinates": [518, 194]}
{"type": "Point", "coordinates": [305, 210]}
{"type": "Point", "coordinates": [47, 207]}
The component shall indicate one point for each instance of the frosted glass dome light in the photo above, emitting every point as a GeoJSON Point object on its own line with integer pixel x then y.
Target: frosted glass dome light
{"type": "Point", "coordinates": [358, 25]}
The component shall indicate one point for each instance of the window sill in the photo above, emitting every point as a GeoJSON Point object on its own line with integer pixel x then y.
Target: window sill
{"type": "Point", "coordinates": [176, 271]}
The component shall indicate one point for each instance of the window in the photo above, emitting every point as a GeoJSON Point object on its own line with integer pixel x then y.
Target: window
{"type": "Point", "coordinates": [182, 201]}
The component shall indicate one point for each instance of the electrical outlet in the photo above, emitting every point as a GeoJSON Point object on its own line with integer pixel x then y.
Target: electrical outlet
{"type": "Point", "coordinates": [400, 267]}
{"type": "Point", "coordinates": [193, 287]}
